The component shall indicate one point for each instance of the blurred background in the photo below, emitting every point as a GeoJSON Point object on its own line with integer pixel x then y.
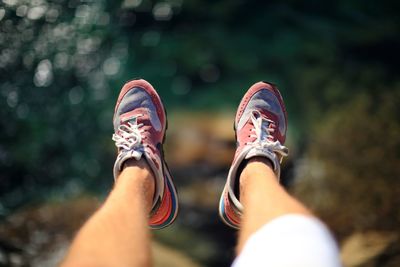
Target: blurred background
{"type": "Point", "coordinates": [63, 62]}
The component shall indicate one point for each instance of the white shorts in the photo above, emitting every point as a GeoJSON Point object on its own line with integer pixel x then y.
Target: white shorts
{"type": "Point", "coordinates": [290, 241]}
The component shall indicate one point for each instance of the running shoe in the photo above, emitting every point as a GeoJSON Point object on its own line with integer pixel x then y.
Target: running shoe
{"type": "Point", "coordinates": [140, 124]}
{"type": "Point", "coordinates": [260, 128]}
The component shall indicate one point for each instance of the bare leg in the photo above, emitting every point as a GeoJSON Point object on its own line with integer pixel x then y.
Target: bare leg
{"type": "Point", "coordinates": [264, 198]}
{"type": "Point", "coordinates": [117, 234]}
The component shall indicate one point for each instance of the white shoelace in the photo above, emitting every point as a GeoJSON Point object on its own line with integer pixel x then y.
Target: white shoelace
{"type": "Point", "coordinates": [128, 136]}
{"type": "Point", "coordinates": [263, 134]}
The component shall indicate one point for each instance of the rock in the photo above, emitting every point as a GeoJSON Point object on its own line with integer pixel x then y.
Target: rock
{"type": "Point", "coordinates": [361, 248]}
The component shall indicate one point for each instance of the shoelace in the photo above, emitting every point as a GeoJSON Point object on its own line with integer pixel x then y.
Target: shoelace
{"type": "Point", "coordinates": [129, 135]}
{"type": "Point", "coordinates": [263, 134]}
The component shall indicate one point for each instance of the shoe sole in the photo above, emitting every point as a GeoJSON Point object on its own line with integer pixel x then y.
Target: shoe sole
{"type": "Point", "coordinates": [174, 201]}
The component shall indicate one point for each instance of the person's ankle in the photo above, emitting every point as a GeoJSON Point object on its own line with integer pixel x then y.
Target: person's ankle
{"type": "Point", "coordinates": [137, 177]}
{"type": "Point", "coordinates": [140, 165]}
{"type": "Point", "coordinates": [140, 170]}
{"type": "Point", "coordinates": [264, 160]}
{"type": "Point", "coordinates": [252, 162]}
{"type": "Point", "coordinates": [255, 165]}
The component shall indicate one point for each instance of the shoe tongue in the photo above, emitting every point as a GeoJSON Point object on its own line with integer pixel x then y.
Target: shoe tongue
{"type": "Point", "coordinates": [132, 120]}
{"type": "Point", "coordinates": [259, 114]}
{"type": "Point", "coordinates": [132, 116]}
{"type": "Point", "coordinates": [256, 114]}
{"type": "Point", "coordinates": [260, 151]}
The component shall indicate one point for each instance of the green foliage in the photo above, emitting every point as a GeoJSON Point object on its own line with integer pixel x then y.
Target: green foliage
{"type": "Point", "coordinates": [62, 63]}
{"type": "Point", "coordinates": [55, 70]}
